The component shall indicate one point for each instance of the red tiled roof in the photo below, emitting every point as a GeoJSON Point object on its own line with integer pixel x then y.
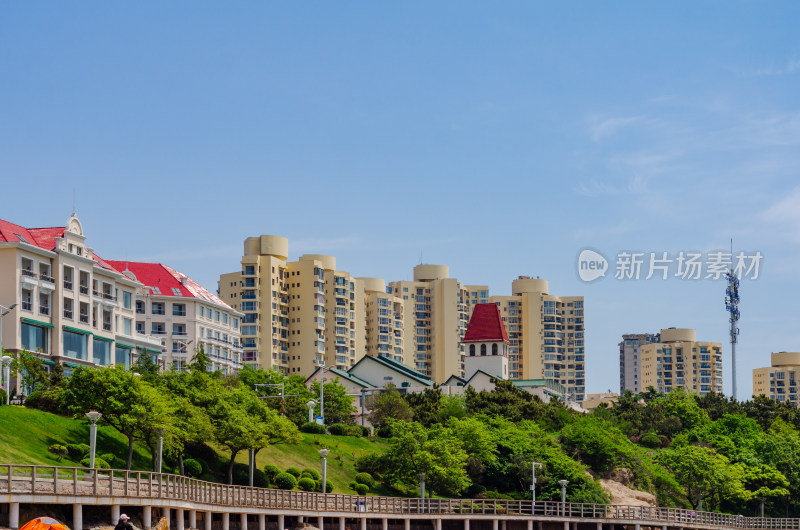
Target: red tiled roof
{"type": "Point", "coordinates": [485, 325]}
{"type": "Point", "coordinates": [40, 237]}
{"type": "Point", "coordinates": [166, 279]}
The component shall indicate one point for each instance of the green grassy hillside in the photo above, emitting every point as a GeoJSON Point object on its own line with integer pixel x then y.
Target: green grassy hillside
{"type": "Point", "coordinates": [25, 435]}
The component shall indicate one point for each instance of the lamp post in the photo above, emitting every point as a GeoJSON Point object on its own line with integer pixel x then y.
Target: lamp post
{"type": "Point", "coordinates": [563, 484]}
{"type": "Point", "coordinates": [421, 477]}
{"type": "Point", "coordinates": [6, 362]}
{"type": "Point", "coordinates": [323, 453]}
{"type": "Point", "coordinates": [159, 448]}
{"type": "Point", "coordinates": [311, 404]}
{"type": "Point", "coordinates": [761, 506]}
{"type": "Point", "coordinates": [534, 465]}
{"type": "Point", "coordinates": [93, 417]}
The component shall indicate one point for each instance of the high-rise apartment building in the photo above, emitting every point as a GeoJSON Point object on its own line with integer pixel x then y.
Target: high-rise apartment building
{"type": "Point", "coordinates": [629, 360]}
{"type": "Point", "coordinates": [185, 316]}
{"type": "Point", "coordinates": [436, 313]}
{"type": "Point", "coordinates": [384, 321]}
{"type": "Point", "coordinates": [779, 381]}
{"type": "Point", "coordinates": [680, 360]}
{"type": "Point", "coordinates": [546, 335]}
{"type": "Point", "coordinates": [296, 314]}
{"type": "Point", "coordinates": [68, 305]}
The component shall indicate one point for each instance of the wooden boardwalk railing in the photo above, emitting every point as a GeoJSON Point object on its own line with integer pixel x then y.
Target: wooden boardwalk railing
{"type": "Point", "coordinates": [29, 480]}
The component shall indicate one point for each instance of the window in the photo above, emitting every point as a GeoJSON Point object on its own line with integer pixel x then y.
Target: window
{"type": "Point", "coordinates": [155, 290]}
{"type": "Point", "coordinates": [494, 349]}
{"type": "Point", "coordinates": [157, 328]}
{"type": "Point", "coordinates": [483, 349]}
{"type": "Point", "coordinates": [140, 307]}
{"type": "Point", "coordinates": [179, 310]}
{"type": "Point", "coordinates": [34, 338]}
{"type": "Point", "coordinates": [102, 352]}
{"type": "Point", "coordinates": [76, 345]}
{"type": "Point", "coordinates": [127, 298]}
{"type": "Point", "coordinates": [158, 308]}
{"type": "Point", "coordinates": [216, 316]}
{"type": "Point", "coordinates": [122, 357]}
{"type": "Point", "coordinates": [126, 326]}
{"type": "Point", "coordinates": [176, 291]}
{"type": "Point", "coordinates": [235, 323]}
{"type": "Point", "coordinates": [208, 313]}
{"type": "Point", "coordinates": [224, 318]}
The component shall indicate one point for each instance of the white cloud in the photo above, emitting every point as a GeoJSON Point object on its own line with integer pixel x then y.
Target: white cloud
{"type": "Point", "coordinates": [600, 128]}
{"type": "Point", "coordinates": [791, 66]}
{"type": "Point", "coordinates": [786, 212]}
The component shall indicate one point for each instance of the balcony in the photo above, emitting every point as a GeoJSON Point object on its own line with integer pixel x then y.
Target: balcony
{"type": "Point", "coordinates": [44, 310]}
{"type": "Point", "coordinates": [45, 278]}
{"type": "Point", "coordinates": [68, 314]}
{"type": "Point", "coordinates": [28, 273]}
{"type": "Point", "coordinates": [179, 333]}
{"type": "Point", "coordinates": [106, 326]}
{"type": "Point", "coordinates": [84, 319]}
{"type": "Point", "coordinates": [27, 306]}
{"type": "Point", "coordinates": [67, 285]}
{"type": "Point", "coordinates": [84, 289]}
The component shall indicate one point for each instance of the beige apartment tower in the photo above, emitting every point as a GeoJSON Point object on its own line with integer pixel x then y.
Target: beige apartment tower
{"type": "Point", "coordinates": [546, 335]}
{"type": "Point", "coordinates": [778, 381]}
{"type": "Point", "coordinates": [680, 360]}
{"type": "Point", "coordinates": [298, 315]}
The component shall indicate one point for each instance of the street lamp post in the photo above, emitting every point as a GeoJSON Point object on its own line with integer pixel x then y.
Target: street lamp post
{"type": "Point", "coordinates": [159, 448]}
{"type": "Point", "coordinates": [421, 478]}
{"type": "Point", "coordinates": [534, 465]}
{"type": "Point", "coordinates": [563, 484]}
{"type": "Point", "coordinates": [93, 417]}
{"type": "Point", "coordinates": [311, 404]}
{"type": "Point", "coordinates": [6, 362]}
{"type": "Point", "coordinates": [323, 453]}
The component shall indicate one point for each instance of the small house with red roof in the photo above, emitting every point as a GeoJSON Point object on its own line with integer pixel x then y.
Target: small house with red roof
{"type": "Point", "coordinates": [486, 343]}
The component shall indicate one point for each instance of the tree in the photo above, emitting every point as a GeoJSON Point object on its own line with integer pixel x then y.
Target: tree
{"type": "Point", "coordinates": [437, 452]}
{"type": "Point", "coordinates": [505, 400]}
{"type": "Point", "coordinates": [388, 405]}
{"type": "Point", "coordinates": [704, 474]}
{"type": "Point", "coordinates": [30, 370]}
{"type": "Point", "coordinates": [128, 404]}
{"type": "Point", "coordinates": [201, 361]}
{"type": "Point", "coordinates": [425, 405]}
{"type": "Point", "coordinates": [146, 366]}
{"type": "Point", "coordinates": [338, 405]}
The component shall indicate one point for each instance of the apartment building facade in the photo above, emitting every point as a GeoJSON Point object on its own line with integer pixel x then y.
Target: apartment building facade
{"type": "Point", "coordinates": [546, 335]}
{"type": "Point", "coordinates": [680, 360]}
{"type": "Point", "coordinates": [69, 306]}
{"type": "Point", "coordinates": [185, 316]}
{"type": "Point", "coordinates": [296, 315]}
{"type": "Point", "coordinates": [436, 313]}
{"type": "Point", "coordinates": [629, 359]}
{"type": "Point", "coordinates": [779, 381]}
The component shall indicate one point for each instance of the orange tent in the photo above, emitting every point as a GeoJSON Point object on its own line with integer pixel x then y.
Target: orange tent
{"type": "Point", "coordinates": [44, 523]}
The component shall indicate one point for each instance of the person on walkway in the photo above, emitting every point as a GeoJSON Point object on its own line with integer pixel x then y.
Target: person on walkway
{"type": "Point", "coordinates": [123, 523]}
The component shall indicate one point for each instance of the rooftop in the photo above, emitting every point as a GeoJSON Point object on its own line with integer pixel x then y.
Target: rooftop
{"type": "Point", "coordinates": [485, 325]}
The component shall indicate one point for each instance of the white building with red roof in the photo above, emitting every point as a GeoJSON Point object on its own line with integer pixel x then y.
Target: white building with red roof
{"type": "Point", "coordinates": [185, 315]}
{"type": "Point", "coordinates": [67, 305]}
{"type": "Point", "coordinates": [486, 343]}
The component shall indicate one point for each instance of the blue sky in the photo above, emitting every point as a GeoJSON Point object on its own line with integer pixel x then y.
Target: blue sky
{"type": "Point", "coordinates": [499, 139]}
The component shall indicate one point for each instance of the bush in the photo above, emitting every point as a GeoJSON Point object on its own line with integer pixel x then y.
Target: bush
{"type": "Point", "coordinates": [328, 486]}
{"type": "Point", "coordinates": [354, 430]}
{"type": "Point", "coordinates": [3, 396]}
{"type": "Point", "coordinates": [307, 484]}
{"type": "Point", "coordinates": [312, 428]}
{"type": "Point", "coordinates": [385, 431]}
{"type": "Point", "coordinates": [44, 400]}
{"type": "Point", "coordinates": [294, 471]}
{"type": "Point", "coordinates": [369, 463]}
{"type": "Point", "coordinates": [366, 479]}
{"type": "Point", "coordinates": [192, 468]}
{"type": "Point", "coordinates": [361, 489]}
{"type": "Point", "coordinates": [77, 451]}
{"type": "Point", "coordinates": [59, 450]}
{"type": "Point", "coordinates": [241, 475]}
{"type": "Point", "coordinates": [285, 481]}
{"type": "Point", "coordinates": [312, 473]}
{"type": "Point", "coordinates": [108, 457]}
{"type": "Point", "coordinates": [651, 440]}
{"type": "Point", "coordinates": [203, 465]}
{"type": "Point", "coordinates": [271, 471]}
{"type": "Point", "coordinates": [364, 430]}
{"type": "Point", "coordinates": [99, 463]}
{"type": "Point", "coordinates": [337, 429]}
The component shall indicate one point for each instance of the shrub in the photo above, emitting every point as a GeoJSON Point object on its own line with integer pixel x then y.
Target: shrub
{"type": "Point", "coordinates": [203, 465]}
{"type": "Point", "coordinates": [369, 463]}
{"type": "Point", "coordinates": [241, 474]}
{"type": "Point", "coordinates": [307, 484]}
{"type": "Point", "coordinates": [44, 400]}
{"type": "Point", "coordinates": [3, 396]}
{"type": "Point", "coordinates": [285, 481]}
{"type": "Point", "coordinates": [385, 431]}
{"type": "Point", "coordinates": [328, 486]}
{"type": "Point", "coordinates": [108, 457]}
{"type": "Point", "coordinates": [271, 471]}
{"type": "Point", "coordinates": [77, 451]}
{"type": "Point", "coordinates": [294, 471]}
{"type": "Point", "coordinates": [192, 468]}
{"type": "Point", "coordinates": [651, 440]}
{"type": "Point", "coordinates": [364, 430]}
{"type": "Point", "coordinates": [337, 429]}
{"type": "Point", "coordinates": [59, 450]}
{"type": "Point", "coordinates": [312, 473]}
{"type": "Point", "coordinates": [366, 479]}
{"type": "Point", "coordinates": [312, 428]}
{"type": "Point", "coordinates": [354, 430]}
{"type": "Point", "coordinates": [361, 489]}
{"type": "Point", "coordinates": [99, 463]}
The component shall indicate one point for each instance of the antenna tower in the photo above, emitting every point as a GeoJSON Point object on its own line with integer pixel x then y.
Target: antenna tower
{"type": "Point", "coordinates": [732, 306]}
